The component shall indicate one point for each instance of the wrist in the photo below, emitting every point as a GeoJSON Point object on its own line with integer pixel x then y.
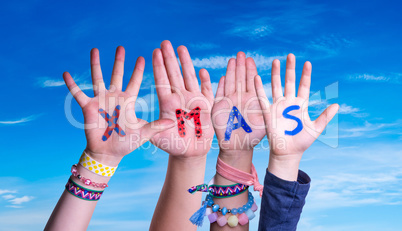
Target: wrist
{"type": "Point", "coordinates": [106, 159]}
{"type": "Point", "coordinates": [285, 167]}
{"type": "Point", "coordinates": [188, 161]}
{"type": "Point", "coordinates": [239, 159]}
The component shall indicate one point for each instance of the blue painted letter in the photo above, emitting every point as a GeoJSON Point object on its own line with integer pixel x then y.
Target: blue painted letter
{"type": "Point", "coordinates": [240, 123]}
{"type": "Point", "coordinates": [287, 116]}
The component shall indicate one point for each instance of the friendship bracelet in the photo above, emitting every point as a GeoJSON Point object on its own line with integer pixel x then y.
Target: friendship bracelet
{"type": "Point", "coordinates": [209, 208]}
{"type": "Point", "coordinates": [81, 192]}
{"type": "Point", "coordinates": [96, 167]}
{"type": "Point", "coordinates": [75, 173]}
{"type": "Point", "coordinates": [238, 176]}
{"type": "Point", "coordinates": [220, 191]}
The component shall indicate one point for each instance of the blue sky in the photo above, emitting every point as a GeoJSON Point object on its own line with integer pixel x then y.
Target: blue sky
{"type": "Point", "coordinates": [356, 173]}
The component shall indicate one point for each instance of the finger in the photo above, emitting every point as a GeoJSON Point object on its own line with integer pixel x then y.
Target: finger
{"type": "Point", "coordinates": [172, 66]}
{"type": "Point", "coordinates": [304, 86]}
{"type": "Point", "coordinates": [251, 70]}
{"type": "Point", "coordinates": [262, 97]}
{"type": "Point", "coordinates": [220, 92]}
{"type": "Point", "coordinates": [290, 76]}
{"type": "Point", "coordinates": [276, 80]}
{"type": "Point", "coordinates": [230, 77]}
{"type": "Point", "coordinates": [321, 122]}
{"type": "Point", "coordinates": [161, 79]}
{"type": "Point", "coordinates": [118, 69]}
{"type": "Point", "coordinates": [96, 72]}
{"type": "Point", "coordinates": [80, 96]}
{"type": "Point", "coordinates": [151, 129]}
{"type": "Point", "coordinates": [190, 79]}
{"type": "Point", "coordinates": [206, 86]}
{"type": "Point", "coordinates": [241, 72]}
{"type": "Point", "coordinates": [134, 84]}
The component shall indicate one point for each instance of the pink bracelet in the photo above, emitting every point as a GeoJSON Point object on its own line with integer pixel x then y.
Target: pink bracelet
{"type": "Point", "coordinates": [75, 173]}
{"type": "Point", "coordinates": [238, 176]}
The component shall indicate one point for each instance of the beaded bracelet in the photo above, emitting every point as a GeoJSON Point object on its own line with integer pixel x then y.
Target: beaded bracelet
{"type": "Point", "coordinates": [209, 208]}
{"type": "Point", "coordinates": [220, 191]}
{"type": "Point", "coordinates": [75, 173]}
{"type": "Point", "coordinates": [81, 192]}
{"type": "Point", "coordinates": [245, 212]}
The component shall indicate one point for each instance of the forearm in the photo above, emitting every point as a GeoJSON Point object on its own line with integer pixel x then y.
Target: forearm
{"type": "Point", "coordinates": [71, 212]}
{"type": "Point", "coordinates": [175, 205]}
{"type": "Point", "coordinates": [282, 202]}
{"type": "Point", "coordinates": [241, 160]}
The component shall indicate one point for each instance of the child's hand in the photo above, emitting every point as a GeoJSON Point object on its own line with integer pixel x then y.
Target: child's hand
{"type": "Point", "coordinates": [178, 95]}
{"type": "Point", "coordinates": [237, 90]}
{"type": "Point", "coordinates": [110, 141]}
{"type": "Point", "coordinates": [289, 128]}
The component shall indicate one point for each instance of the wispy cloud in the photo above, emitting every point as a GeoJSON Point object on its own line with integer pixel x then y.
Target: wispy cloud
{"type": "Point", "coordinates": [20, 200]}
{"type": "Point", "coordinates": [219, 62]}
{"type": "Point", "coordinates": [370, 130]}
{"type": "Point", "coordinates": [203, 46]}
{"type": "Point", "coordinates": [318, 106]}
{"type": "Point", "coordinates": [352, 189]}
{"type": "Point", "coordinates": [329, 44]}
{"type": "Point", "coordinates": [80, 79]}
{"type": "Point", "coordinates": [8, 196]}
{"type": "Point", "coordinates": [19, 121]}
{"type": "Point", "coordinates": [346, 109]}
{"type": "Point", "coordinates": [392, 77]}
{"type": "Point", "coordinates": [251, 30]}
{"type": "Point", "coordinates": [52, 83]}
{"type": "Point", "coordinates": [4, 191]}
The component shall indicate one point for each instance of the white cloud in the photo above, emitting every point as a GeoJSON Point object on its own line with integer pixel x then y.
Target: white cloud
{"type": "Point", "coordinates": [78, 78]}
{"type": "Point", "coordinates": [4, 191]}
{"type": "Point", "coordinates": [389, 77]}
{"type": "Point", "coordinates": [8, 196]}
{"type": "Point", "coordinates": [346, 109]}
{"type": "Point", "coordinates": [316, 107]}
{"type": "Point", "coordinates": [329, 44]}
{"type": "Point", "coordinates": [204, 46]}
{"type": "Point", "coordinates": [369, 77]}
{"type": "Point", "coordinates": [250, 30]}
{"type": "Point", "coordinates": [219, 61]}
{"type": "Point", "coordinates": [20, 200]}
{"type": "Point", "coordinates": [18, 121]}
{"type": "Point", "coordinates": [52, 83]}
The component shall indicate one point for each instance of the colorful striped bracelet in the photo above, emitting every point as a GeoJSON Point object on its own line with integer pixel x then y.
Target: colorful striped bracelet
{"type": "Point", "coordinates": [220, 191]}
{"type": "Point", "coordinates": [81, 192]}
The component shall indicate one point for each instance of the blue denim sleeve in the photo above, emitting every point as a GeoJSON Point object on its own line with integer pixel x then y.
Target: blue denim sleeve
{"type": "Point", "coordinates": [282, 202]}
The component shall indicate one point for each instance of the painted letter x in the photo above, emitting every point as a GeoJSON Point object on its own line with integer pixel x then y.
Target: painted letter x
{"type": "Point", "coordinates": [112, 123]}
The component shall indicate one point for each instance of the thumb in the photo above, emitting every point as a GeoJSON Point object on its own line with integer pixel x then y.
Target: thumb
{"type": "Point", "coordinates": [322, 121]}
{"type": "Point", "coordinates": [151, 129]}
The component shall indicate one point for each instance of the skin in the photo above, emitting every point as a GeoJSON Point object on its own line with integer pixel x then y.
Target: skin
{"type": "Point", "coordinates": [237, 89]}
{"type": "Point", "coordinates": [72, 213]}
{"type": "Point", "coordinates": [187, 155]}
{"type": "Point", "coordinates": [284, 159]}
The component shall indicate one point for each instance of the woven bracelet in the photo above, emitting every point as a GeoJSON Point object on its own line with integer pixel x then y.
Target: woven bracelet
{"type": "Point", "coordinates": [81, 192]}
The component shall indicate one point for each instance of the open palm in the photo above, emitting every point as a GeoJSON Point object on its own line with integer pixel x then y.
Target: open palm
{"type": "Point", "coordinates": [181, 92]}
{"type": "Point", "coordinates": [289, 128]}
{"type": "Point", "coordinates": [236, 89]}
{"type": "Point", "coordinates": [125, 131]}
